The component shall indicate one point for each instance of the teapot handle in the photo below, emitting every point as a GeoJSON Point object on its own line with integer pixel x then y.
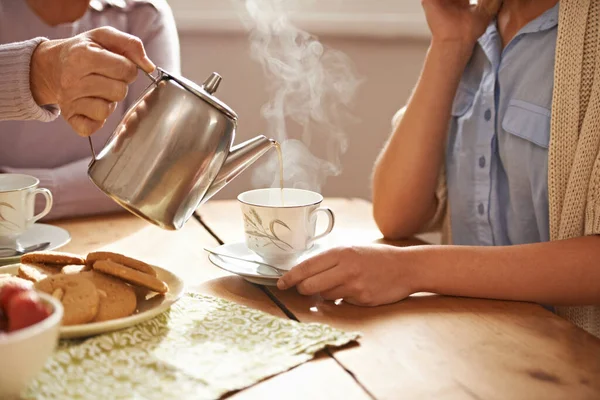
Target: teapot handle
{"type": "Point", "coordinates": [92, 147]}
{"type": "Point", "coordinates": [150, 76]}
{"type": "Point", "coordinates": [154, 81]}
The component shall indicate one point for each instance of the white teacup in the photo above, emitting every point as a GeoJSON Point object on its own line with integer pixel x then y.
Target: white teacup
{"type": "Point", "coordinates": [17, 203]}
{"type": "Point", "coordinates": [280, 230]}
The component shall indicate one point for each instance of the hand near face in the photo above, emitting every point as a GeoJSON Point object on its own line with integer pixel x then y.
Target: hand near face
{"type": "Point", "coordinates": [87, 75]}
{"type": "Point", "coordinates": [369, 275]}
{"type": "Point", "coordinates": [458, 20]}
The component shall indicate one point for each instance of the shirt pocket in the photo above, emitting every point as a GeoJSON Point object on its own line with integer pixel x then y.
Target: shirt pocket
{"type": "Point", "coordinates": [528, 121]}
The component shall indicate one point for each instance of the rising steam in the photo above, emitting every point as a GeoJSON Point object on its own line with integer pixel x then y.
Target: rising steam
{"type": "Point", "coordinates": [310, 87]}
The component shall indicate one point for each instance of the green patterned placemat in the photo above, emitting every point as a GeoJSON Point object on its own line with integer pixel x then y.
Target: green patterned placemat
{"type": "Point", "coordinates": [202, 348]}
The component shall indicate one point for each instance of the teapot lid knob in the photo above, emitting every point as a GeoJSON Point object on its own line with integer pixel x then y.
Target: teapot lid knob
{"type": "Point", "coordinates": [211, 84]}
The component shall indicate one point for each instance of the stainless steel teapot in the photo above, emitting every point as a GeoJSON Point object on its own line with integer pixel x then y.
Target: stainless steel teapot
{"type": "Point", "coordinates": [173, 151]}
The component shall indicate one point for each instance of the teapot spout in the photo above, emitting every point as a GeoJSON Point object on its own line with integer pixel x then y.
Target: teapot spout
{"type": "Point", "coordinates": [240, 157]}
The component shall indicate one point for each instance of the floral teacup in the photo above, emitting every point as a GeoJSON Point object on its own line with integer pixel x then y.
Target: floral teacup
{"type": "Point", "coordinates": [17, 201]}
{"type": "Point", "coordinates": [280, 224]}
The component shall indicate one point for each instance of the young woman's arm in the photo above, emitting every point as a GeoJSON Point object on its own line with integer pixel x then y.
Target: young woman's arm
{"type": "Point", "coordinates": [406, 172]}
{"type": "Point", "coordinates": [563, 272]}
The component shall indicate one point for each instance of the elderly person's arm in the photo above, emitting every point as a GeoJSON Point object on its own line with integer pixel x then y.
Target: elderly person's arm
{"type": "Point", "coordinates": [16, 99]}
{"type": "Point", "coordinates": [84, 76]}
{"type": "Point", "coordinates": [74, 194]}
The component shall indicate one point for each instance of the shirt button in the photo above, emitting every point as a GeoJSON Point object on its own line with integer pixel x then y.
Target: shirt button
{"type": "Point", "coordinates": [480, 209]}
{"type": "Point", "coordinates": [481, 162]}
{"type": "Point", "coordinates": [487, 115]}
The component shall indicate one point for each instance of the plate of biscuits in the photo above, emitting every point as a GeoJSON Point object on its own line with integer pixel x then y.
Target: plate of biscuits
{"type": "Point", "coordinates": [101, 292]}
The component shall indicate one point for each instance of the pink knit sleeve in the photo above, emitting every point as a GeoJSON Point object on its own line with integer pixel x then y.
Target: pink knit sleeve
{"type": "Point", "coordinates": [16, 100]}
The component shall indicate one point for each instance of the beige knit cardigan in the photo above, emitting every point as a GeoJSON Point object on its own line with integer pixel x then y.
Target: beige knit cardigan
{"type": "Point", "coordinates": [574, 153]}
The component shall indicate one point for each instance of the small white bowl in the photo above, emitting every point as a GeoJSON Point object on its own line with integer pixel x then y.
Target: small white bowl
{"type": "Point", "coordinates": [23, 353]}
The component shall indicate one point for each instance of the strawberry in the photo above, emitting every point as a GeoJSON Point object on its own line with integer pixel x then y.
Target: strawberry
{"type": "Point", "coordinates": [25, 309]}
{"type": "Point", "coordinates": [8, 290]}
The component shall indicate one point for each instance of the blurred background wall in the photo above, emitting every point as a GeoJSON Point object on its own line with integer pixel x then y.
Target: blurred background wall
{"type": "Point", "coordinates": [385, 39]}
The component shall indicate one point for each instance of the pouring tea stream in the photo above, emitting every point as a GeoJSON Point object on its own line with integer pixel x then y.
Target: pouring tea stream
{"type": "Point", "coordinates": [173, 150]}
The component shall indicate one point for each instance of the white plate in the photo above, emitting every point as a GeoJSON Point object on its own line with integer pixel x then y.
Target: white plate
{"type": "Point", "coordinates": [251, 272]}
{"type": "Point", "coordinates": [149, 305]}
{"type": "Point", "coordinates": [40, 233]}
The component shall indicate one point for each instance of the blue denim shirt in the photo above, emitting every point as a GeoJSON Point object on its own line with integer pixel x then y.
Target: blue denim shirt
{"type": "Point", "coordinates": [497, 153]}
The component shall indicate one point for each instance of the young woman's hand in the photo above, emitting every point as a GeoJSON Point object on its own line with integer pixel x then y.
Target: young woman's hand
{"type": "Point", "coordinates": [369, 275]}
{"type": "Point", "coordinates": [457, 21]}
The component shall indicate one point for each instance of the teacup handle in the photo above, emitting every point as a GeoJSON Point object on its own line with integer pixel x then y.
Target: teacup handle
{"type": "Point", "coordinates": [330, 217]}
{"type": "Point", "coordinates": [46, 193]}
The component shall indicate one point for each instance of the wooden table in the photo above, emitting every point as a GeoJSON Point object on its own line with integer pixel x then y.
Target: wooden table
{"type": "Point", "coordinates": [425, 347]}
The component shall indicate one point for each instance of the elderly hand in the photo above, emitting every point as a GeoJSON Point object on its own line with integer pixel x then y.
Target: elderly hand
{"type": "Point", "coordinates": [87, 75]}
{"type": "Point", "coordinates": [369, 275]}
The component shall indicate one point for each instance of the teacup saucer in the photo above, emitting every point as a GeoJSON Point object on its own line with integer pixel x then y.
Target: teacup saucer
{"type": "Point", "coordinates": [39, 233]}
{"type": "Point", "coordinates": [251, 272]}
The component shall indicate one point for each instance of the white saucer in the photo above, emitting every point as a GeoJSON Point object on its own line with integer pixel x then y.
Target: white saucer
{"type": "Point", "coordinates": [149, 305]}
{"type": "Point", "coordinates": [251, 272]}
{"type": "Point", "coordinates": [40, 233]}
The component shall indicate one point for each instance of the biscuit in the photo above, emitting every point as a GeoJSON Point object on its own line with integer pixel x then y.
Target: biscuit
{"type": "Point", "coordinates": [52, 257]}
{"type": "Point", "coordinates": [131, 275]}
{"type": "Point", "coordinates": [120, 259]}
{"type": "Point", "coordinates": [75, 269]}
{"type": "Point", "coordinates": [117, 299]}
{"type": "Point", "coordinates": [36, 272]}
{"type": "Point", "coordinates": [79, 297]}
